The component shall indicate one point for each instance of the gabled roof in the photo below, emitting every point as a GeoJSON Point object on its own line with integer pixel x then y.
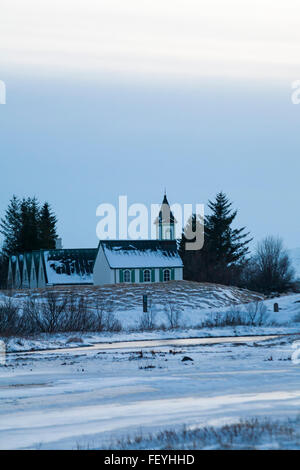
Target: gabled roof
{"type": "Point", "coordinates": [69, 266]}
{"type": "Point", "coordinates": [165, 214]}
{"type": "Point", "coordinates": [13, 264]}
{"type": "Point", "coordinates": [20, 263]}
{"type": "Point", "coordinates": [141, 253]}
{"type": "Point", "coordinates": [28, 261]}
{"type": "Point", "coordinates": [36, 256]}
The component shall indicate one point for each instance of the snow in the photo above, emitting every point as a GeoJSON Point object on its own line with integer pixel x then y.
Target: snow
{"type": "Point", "coordinates": [93, 393]}
{"type": "Point", "coordinates": [55, 277]}
{"type": "Point", "coordinates": [90, 399]}
{"type": "Point", "coordinates": [121, 258]}
{"type": "Point", "coordinates": [194, 317]}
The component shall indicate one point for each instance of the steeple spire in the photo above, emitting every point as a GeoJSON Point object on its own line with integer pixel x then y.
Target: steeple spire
{"type": "Point", "coordinates": [165, 221]}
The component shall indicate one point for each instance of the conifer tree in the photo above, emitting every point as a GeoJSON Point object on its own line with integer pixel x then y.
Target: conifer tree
{"type": "Point", "coordinates": [10, 227]}
{"type": "Point", "coordinates": [227, 245]}
{"type": "Point", "coordinates": [47, 227]}
{"type": "Point", "coordinates": [27, 226]}
{"type": "Point", "coordinates": [29, 233]}
{"type": "Point", "coordinates": [225, 248]}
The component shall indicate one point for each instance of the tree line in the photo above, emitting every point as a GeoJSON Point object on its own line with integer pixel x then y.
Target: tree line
{"type": "Point", "coordinates": [26, 226]}
{"type": "Point", "coordinates": [225, 257]}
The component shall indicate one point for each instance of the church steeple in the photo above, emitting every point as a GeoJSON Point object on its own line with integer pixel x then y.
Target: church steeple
{"type": "Point", "coordinates": [165, 221]}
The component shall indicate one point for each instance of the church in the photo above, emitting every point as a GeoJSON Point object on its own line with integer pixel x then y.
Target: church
{"type": "Point", "coordinates": [112, 262]}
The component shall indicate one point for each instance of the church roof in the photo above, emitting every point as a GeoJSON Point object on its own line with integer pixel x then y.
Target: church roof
{"type": "Point", "coordinates": [13, 264]}
{"type": "Point", "coordinates": [141, 253]}
{"type": "Point", "coordinates": [69, 266]}
{"type": "Point", "coordinates": [164, 216]}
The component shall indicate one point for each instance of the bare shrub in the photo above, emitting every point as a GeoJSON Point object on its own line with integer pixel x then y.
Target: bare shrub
{"type": "Point", "coordinates": [173, 313]}
{"type": "Point", "coordinates": [231, 317]}
{"type": "Point", "coordinates": [104, 317]}
{"type": "Point", "coordinates": [270, 269]}
{"type": "Point", "coordinates": [256, 313]}
{"type": "Point", "coordinates": [111, 323]}
{"type": "Point", "coordinates": [32, 321]}
{"type": "Point", "coordinates": [77, 315]}
{"type": "Point", "coordinates": [53, 311]}
{"type": "Point", "coordinates": [57, 313]}
{"type": "Point", "coordinates": [147, 320]}
{"type": "Point", "coordinates": [9, 318]}
{"type": "Point", "coordinates": [99, 316]}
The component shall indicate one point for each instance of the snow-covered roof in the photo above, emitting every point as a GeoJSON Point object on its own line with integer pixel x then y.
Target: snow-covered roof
{"type": "Point", "coordinates": [141, 253]}
{"type": "Point", "coordinates": [69, 266]}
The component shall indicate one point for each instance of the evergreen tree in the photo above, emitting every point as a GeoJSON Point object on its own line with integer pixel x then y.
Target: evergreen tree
{"type": "Point", "coordinates": [47, 227]}
{"type": "Point", "coordinates": [30, 217]}
{"type": "Point", "coordinates": [227, 245]}
{"type": "Point", "coordinates": [27, 226]}
{"type": "Point", "coordinates": [223, 255]}
{"type": "Point", "coordinates": [10, 227]}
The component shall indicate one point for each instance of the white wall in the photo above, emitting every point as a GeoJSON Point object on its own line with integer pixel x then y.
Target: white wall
{"type": "Point", "coordinates": [102, 273]}
{"type": "Point", "coordinates": [178, 274]}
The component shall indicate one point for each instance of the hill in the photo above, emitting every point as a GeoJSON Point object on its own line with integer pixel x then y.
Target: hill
{"type": "Point", "coordinates": [122, 297]}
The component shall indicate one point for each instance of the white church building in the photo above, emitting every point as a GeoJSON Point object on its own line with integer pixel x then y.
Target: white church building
{"type": "Point", "coordinates": [113, 262]}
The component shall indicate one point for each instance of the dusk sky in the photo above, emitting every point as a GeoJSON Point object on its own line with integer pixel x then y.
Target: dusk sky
{"type": "Point", "coordinates": [107, 98]}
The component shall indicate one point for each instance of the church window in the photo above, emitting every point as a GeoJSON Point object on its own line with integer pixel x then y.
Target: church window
{"type": "Point", "coordinates": [166, 275]}
{"type": "Point", "coordinates": [168, 234]}
{"type": "Point", "coordinates": [147, 277]}
{"type": "Point", "coordinates": [126, 275]}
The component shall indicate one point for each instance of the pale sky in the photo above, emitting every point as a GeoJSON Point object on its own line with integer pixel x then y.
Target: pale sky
{"type": "Point", "coordinates": [110, 97]}
{"type": "Point", "coordinates": [249, 38]}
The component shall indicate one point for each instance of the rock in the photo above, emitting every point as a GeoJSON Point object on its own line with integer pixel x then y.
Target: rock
{"type": "Point", "coordinates": [186, 358]}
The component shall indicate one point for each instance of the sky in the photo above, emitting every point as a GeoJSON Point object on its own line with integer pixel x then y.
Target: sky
{"type": "Point", "coordinates": [107, 98]}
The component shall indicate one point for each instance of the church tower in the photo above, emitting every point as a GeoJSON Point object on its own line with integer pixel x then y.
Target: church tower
{"type": "Point", "coordinates": [165, 222]}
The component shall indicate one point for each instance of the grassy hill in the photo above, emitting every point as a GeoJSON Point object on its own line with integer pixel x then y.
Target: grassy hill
{"type": "Point", "coordinates": [186, 294]}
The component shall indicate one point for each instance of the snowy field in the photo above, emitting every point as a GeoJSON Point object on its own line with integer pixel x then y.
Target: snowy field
{"type": "Point", "coordinates": [97, 399]}
{"type": "Point", "coordinates": [195, 318]}
{"type": "Point", "coordinates": [90, 394]}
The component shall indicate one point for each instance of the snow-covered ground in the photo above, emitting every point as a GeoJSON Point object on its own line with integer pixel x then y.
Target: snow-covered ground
{"type": "Point", "coordinates": [94, 398]}
{"type": "Point", "coordinates": [192, 323]}
{"type": "Point", "coordinates": [194, 318]}
{"type": "Point", "coordinates": [89, 399]}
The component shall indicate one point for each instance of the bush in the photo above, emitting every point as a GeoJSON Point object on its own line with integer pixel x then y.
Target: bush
{"type": "Point", "coordinates": [147, 321]}
{"type": "Point", "coordinates": [254, 314]}
{"type": "Point", "coordinates": [58, 313]}
{"type": "Point", "coordinates": [173, 313]}
{"type": "Point", "coordinates": [231, 317]}
{"type": "Point", "coordinates": [9, 318]}
{"type": "Point", "coordinates": [270, 269]}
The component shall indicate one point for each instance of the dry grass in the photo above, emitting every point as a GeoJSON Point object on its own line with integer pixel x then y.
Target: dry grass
{"type": "Point", "coordinates": [252, 433]}
{"type": "Point", "coordinates": [187, 294]}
